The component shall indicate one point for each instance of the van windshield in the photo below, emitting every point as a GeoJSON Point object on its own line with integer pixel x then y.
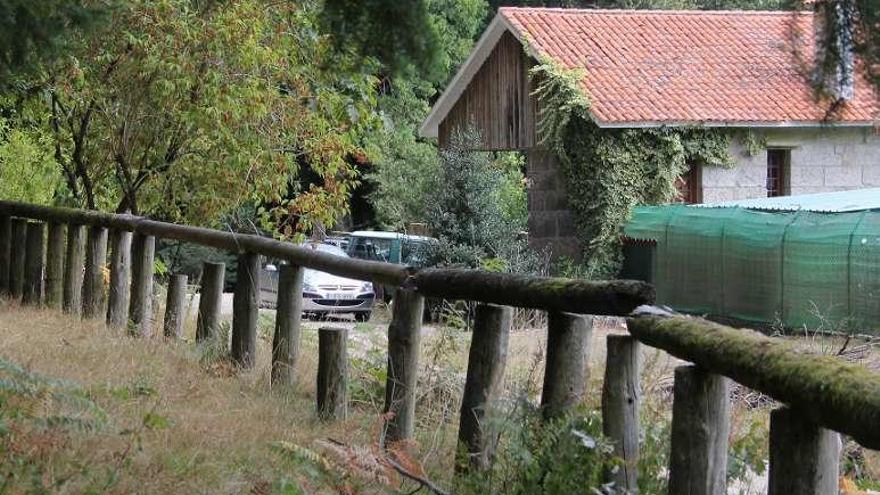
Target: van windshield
{"type": "Point", "coordinates": [371, 249]}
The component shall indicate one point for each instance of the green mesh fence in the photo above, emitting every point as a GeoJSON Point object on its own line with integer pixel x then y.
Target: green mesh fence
{"type": "Point", "coordinates": [803, 269]}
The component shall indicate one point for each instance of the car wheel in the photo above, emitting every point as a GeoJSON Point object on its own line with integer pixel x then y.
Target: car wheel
{"type": "Point", "coordinates": [362, 316]}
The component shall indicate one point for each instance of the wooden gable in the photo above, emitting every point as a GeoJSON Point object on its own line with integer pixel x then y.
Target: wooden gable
{"type": "Point", "coordinates": [497, 101]}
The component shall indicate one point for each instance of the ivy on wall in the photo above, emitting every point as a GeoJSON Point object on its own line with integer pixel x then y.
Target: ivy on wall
{"type": "Point", "coordinates": [609, 171]}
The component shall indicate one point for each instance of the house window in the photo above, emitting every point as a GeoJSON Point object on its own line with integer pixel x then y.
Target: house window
{"type": "Point", "coordinates": [689, 186]}
{"type": "Point", "coordinates": [778, 171]}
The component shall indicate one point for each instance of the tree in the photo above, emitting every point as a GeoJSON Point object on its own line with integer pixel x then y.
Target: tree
{"type": "Point", "coordinates": [184, 111]}
{"type": "Point", "coordinates": [31, 30]}
{"type": "Point", "coordinates": [404, 164]}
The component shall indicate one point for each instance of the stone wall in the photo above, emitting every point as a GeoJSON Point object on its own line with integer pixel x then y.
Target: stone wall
{"type": "Point", "coordinates": [822, 160]}
{"type": "Point", "coordinates": [551, 224]}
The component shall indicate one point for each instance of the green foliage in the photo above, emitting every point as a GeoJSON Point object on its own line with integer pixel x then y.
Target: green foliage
{"type": "Point", "coordinates": [184, 111]}
{"type": "Point", "coordinates": [567, 455]}
{"type": "Point", "coordinates": [399, 34]}
{"type": "Point", "coordinates": [470, 210]}
{"type": "Point", "coordinates": [404, 165]}
{"type": "Point", "coordinates": [37, 414]}
{"type": "Point", "coordinates": [27, 168]}
{"type": "Point", "coordinates": [32, 31]}
{"type": "Point", "coordinates": [609, 171]}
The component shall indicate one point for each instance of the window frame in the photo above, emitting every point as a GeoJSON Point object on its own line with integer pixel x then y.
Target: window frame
{"type": "Point", "coordinates": [783, 167]}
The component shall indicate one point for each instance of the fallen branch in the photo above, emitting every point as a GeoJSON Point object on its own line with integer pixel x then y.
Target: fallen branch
{"type": "Point", "coordinates": [423, 482]}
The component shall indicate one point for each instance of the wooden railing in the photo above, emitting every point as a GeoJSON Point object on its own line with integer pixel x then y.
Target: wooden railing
{"type": "Point", "coordinates": [819, 395]}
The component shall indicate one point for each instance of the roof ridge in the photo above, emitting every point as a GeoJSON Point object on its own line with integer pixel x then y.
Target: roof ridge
{"type": "Point", "coordinates": [564, 10]}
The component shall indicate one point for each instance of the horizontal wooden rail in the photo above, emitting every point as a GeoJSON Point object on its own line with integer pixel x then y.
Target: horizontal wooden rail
{"type": "Point", "coordinates": [230, 241]}
{"type": "Point", "coordinates": [618, 297]}
{"type": "Point", "coordinates": [841, 396]}
{"type": "Point", "coordinates": [615, 297]}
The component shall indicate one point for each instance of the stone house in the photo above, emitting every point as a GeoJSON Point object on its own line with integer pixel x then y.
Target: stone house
{"type": "Point", "coordinates": [745, 71]}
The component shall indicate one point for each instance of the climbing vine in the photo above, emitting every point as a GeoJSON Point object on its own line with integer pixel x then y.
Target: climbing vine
{"type": "Point", "coordinates": [609, 171]}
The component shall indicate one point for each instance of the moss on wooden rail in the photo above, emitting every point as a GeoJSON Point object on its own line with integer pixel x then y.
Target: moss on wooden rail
{"type": "Point", "coordinates": [614, 297]}
{"type": "Point", "coordinates": [841, 396]}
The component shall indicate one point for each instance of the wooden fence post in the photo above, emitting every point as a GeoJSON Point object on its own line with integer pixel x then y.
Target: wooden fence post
{"type": "Point", "coordinates": [245, 310]}
{"type": "Point", "coordinates": [620, 408]}
{"type": "Point", "coordinates": [73, 269]}
{"type": "Point", "coordinates": [210, 300]}
{"type": "Point", "coordinates": [120, 275]}
{"type": "Point", "coordinates": [486, 361]}
{"type": "Point", "coordinates": [19, 249]}
{"type": "Point", "coordinates": [55, 265]}
{"type": "Point", "coordinates": [404, 334]}
{"type": "Point", "coordinates": [34, 263]}
{"type": "Point", "coordinates": [568, 350]}
{"type": "Point", "coordinates": [93, 280]}
{"type": "Point", "coordinates": [700, 427]}
{"type": "Point", "coordinates": [804, 457]}
{"type": "Point", "coordinates": [332, 392]}
{"type": "Point", "coordinates": [140, 310]}
{"type": "Point", "coordinates": [5, 252]}
{"type": "Point", "coordinates": [174, 307]}
{"type": "Point", "coordinates": [288, 316]}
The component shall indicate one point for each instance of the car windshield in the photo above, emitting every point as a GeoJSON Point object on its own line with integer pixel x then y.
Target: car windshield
{"type": "Point", "coordinates": [326, 248]}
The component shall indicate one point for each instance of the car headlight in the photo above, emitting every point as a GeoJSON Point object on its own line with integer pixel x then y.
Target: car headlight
{"type": "Point", "coordinates": [307, 287]}
{"type": "Point", "coordinates": [367, 287]}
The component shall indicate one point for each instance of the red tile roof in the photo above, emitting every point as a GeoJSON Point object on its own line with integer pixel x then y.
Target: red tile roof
{"type": "Point", "coordinates": [701, 67]}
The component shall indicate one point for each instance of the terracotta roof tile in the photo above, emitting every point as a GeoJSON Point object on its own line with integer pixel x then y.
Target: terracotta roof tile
{"type": "Point", "coordinates": [688, 66]}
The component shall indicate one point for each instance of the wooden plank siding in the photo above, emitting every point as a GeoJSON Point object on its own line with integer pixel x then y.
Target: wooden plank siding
{"type": "Point", "coordinates": [498, 101]}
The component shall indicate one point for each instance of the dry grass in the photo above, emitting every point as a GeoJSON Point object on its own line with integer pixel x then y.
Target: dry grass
{"type": "Point", "coordinates": [219, 426]}
{"type": "Point", "coordinates": [179, 424]}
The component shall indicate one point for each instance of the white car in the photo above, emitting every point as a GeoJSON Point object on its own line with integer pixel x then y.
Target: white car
{"type": "Point", "coordinates": [323, 293]}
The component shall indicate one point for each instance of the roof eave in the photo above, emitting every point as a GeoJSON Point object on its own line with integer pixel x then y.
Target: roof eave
{"type": "Point", "coordinates": [744, 124]}
{"type": "Point", "coordinates": [466, 72]}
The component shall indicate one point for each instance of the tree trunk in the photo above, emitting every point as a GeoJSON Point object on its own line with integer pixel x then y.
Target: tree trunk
{"type": "Point", "coordinates": [568, 351]}
{"type": "Point", "coordinates": [332, 390]}
{"type": "Point", "coordinates": [288, 316]}
{"type": "Point", "coordinates": [620, 408]}
{"type": "Point", "coordinates": [55, 266]}
{"type": "Point", "coordinates": [34, 264]}
{"type": "Point", "coordinates": [404, 334]}
{"type": "Point", "coordinates": [73, 269]}
{"type": "Point", "coordinates": [120, 275]}
{"type": "Point", "coordinates": [210, 300]}
{"type": "Point", "coordinates": [485, 373]}
{"type": "Point", "coordinates": [245, 308]}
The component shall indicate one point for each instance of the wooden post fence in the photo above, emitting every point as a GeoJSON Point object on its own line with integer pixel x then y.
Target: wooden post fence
{"type": "Point", "coordinates": [288, 319]}
{"type": "Point", "coordinates": [73, 269]}
{"type": "Point", "coordinates": [486, 362]}
{"type": "Point", "coordinates": [19, 249]}
{"type": "Point", "coordinates": [404, 334]}
{"type": "Point", "coordinates": [700, 429]}
{"type": "Point", "coordinates": [34, 264]}
{"type": "Point", "coordinates": [93, 280]}
{"type": "Point", "coordinates": [140, 311]}
{"type": "Point", "coordinates": [120, 279]}
{"type": "Point", "coordinates": [568, 351]}
{"type": "Point", "coordinates": [54, 291]}
{"type": "Point", "coordinates": [175, 305]}
{"type": "Point", "coordinates": [245, 310]}
{"type": "Point", "coordinates": [210, 300]}
{"type": "Point", "coordinates": [620, 408]}
{"type": "Point", "coordinates": [822, 395]}
{"type": "Point", "coordinates": [332, 390]}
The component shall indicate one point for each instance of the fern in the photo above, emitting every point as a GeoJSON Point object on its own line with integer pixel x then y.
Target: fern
{"type": "Point", "coordinates": [44, 401]}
